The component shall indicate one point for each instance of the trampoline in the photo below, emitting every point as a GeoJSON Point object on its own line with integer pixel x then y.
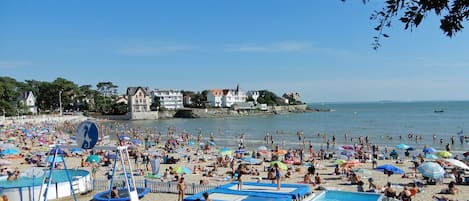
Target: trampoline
{"type": "Point", "coordinates": [295, 191]}
{"type": "Point", "coordinates": [220, 194]}
{"type": "Point", "coordinates": [123, 195]}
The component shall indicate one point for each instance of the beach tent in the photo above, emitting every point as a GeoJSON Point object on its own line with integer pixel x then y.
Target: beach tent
{"type": "Point", "coordinates": [431, 170]}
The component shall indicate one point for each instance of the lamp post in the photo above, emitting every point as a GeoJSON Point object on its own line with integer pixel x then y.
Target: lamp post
{"type": "Point", "coordinates": [60, 102]}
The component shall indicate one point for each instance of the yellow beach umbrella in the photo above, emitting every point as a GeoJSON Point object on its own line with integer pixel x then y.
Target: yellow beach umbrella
{"type": "Point", "coordinates": [444, 154]}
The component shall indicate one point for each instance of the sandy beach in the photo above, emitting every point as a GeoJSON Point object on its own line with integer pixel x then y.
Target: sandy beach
{"type": "Point", "coordinates": [324, 168]}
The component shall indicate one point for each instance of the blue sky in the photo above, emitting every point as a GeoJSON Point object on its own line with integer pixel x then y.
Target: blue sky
{"type": "Point", "coordinates": [319, 48]}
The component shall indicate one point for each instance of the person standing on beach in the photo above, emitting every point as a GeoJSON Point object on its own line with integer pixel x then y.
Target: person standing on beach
{"type": "Point", "coordinates": [277, 175]}
{"type": "Point", "coordinates": [181, 189]}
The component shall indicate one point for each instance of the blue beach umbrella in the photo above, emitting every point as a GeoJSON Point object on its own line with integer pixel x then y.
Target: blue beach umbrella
{"type": "Point", "coordinates": [402, 146]}
{"type": "Point", "coordinates": [431, 170]}
{"type": "Point", "coordinates": [190, 143]}
{"type": "Point", "coordinates": [250, 160]}
{"type": "Point", "coordinates": [429, 150]}
{"type": "Point", "coordinates": [431, 156]}
{"type": "Point", "coordinates": [390, 168]}
{"type": "Point", "coordinates": [135, 141]}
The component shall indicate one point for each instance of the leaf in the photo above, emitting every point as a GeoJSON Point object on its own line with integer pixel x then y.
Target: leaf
{"type": "Point", "coordinates": [386, 35]}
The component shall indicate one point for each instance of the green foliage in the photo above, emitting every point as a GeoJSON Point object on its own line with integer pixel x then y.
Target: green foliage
{"type": "Point", "coordinates": [269, 98]}
{"type": "Point", "coordinates": [411, 13]}
{"type": "Point", "coordinates": [47, 94]}
{"type": "Point", "coordinates": [156, 104]}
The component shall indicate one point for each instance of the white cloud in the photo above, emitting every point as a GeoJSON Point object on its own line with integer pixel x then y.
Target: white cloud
{"type": "Point", "coordinates": [13, 64]}
{"type": "Point", "coordinates": [287, 46]}
{"type": "Point", "coordinates": [147, 50]}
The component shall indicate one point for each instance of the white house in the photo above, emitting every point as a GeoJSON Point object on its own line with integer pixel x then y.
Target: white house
{"type": "Point", "coordinates": [226, 97]}
{"type": "Point", "coordinates": [29, 100]}
{"type": "Point", "coordinates": [214, 97]}
{"type": "Point", "coordinates": [169, 99]}
{"type": "Point", "coordinates": [139, 99]}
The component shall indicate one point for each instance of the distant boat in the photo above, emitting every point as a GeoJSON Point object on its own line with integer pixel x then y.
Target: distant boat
{"type": "Point", "coordinates": [439, 111]}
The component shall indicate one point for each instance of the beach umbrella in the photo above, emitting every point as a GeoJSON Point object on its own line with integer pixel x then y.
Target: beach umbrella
{"type": "Point", "coordinates": [281, 165]}
{"type": "Point", "coordinates": [4, 162]}
{"type": "Point", "coordinates": [250, 160]}
{"type": "Point", "coordinates": [339, 162]}
{"type": "Point", "coordinates": [431, 170]}
{"type": "Point", "coordinates": [410, 149]}
{"type": "Point", "coordinates": [93, 159]}
{"type": "Point", "coordinates": [431, 156]}
{"type": "Point", "coordinates": [225, 151]}
{"type": "Point", "coordinates": [10, 151]}
{"type": "Point", "coordinates": [262, 148]}
{"type": "Point", "coordinates": [444, 154]}
{"type": "Point", "coordinates": [182, 170]}
{"type": "Point", "coordinates": [240, 151]}
{"type": "Point", "coordinates": [123, 137]}
{"type": "Point", "coordinates": [402, 146]}
{"type": "Point", "coordinates": [390, 168]}
{"type": "Point", "coordinates": [212, 143]}
{"type": "Point", "coordinates": [457, 163]}
{"type": "Point", "coordinates": [58, 159]}
{"type": "Point", "coordinates": [281, 152]}
{"type": "Point", "coordinates": [429, 150]}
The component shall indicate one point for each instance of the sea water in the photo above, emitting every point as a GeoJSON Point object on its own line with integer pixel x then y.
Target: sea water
{"type": "Point", "coordinates": [385, 124]}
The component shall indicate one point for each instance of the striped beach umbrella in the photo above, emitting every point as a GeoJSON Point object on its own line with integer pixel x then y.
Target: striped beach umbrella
{"type": "Point", "coordinates": [182, 170]}
{"type": "Point", "coordinates": [431, 170]}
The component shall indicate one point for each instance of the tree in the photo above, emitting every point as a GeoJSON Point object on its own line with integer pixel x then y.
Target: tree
{"type": "Point", "coordinates": [412, 12]}
{"type": "Point", "coordinates": [9, 94]}
{"type": "Point", "coordinates": [156, 104]}
{"type": "Point", "coordinates": [108, 93]}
